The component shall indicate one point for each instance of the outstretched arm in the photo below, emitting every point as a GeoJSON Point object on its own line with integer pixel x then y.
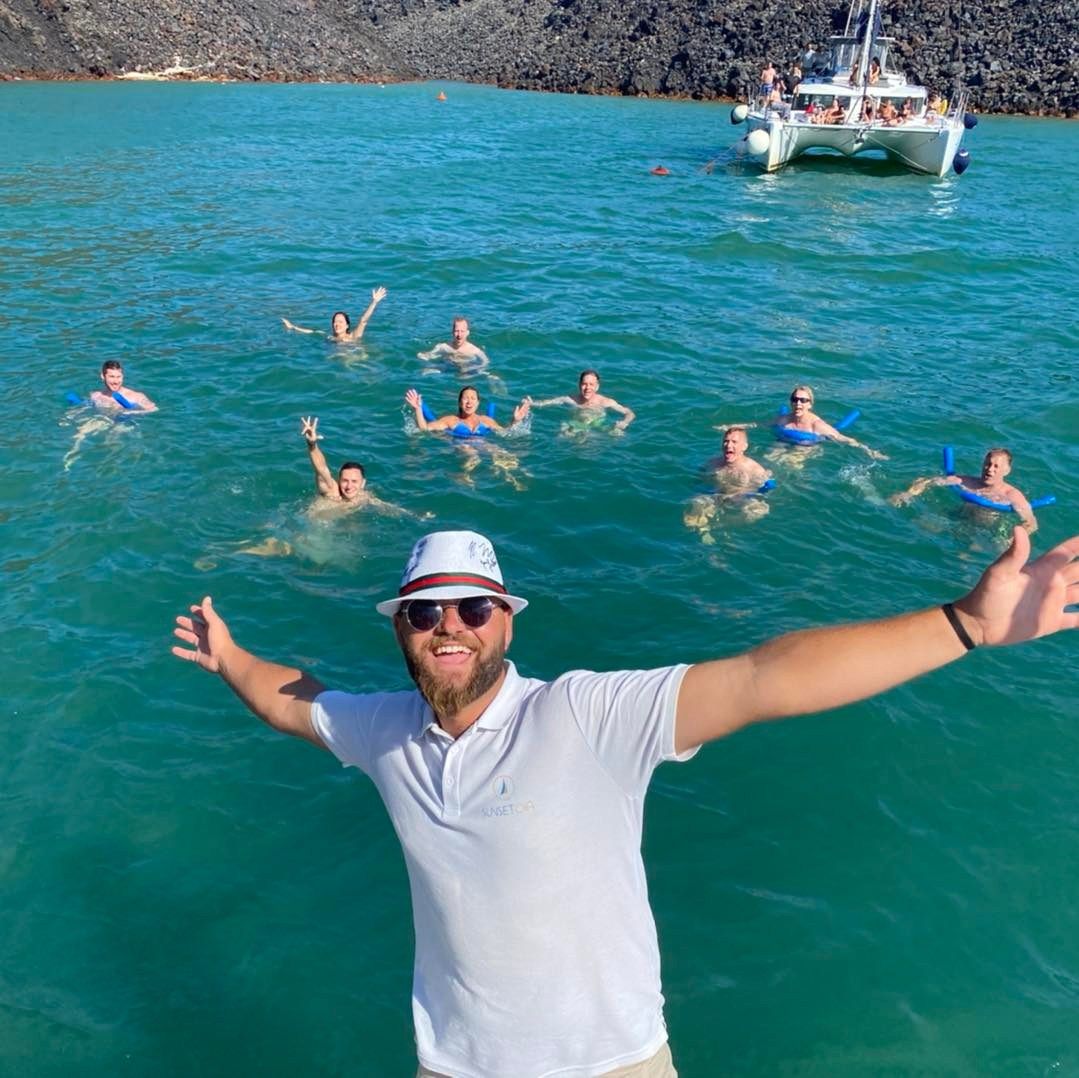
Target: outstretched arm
{"type": "Point", "coordinates": [481, 361]}
{"type": "Point", "coordinates": [296, 329]}
{"type": "Point", "coordinates": [826, 430]}
{"type": "Point", "coordinates": [391, 510]}
{"type": "Point", "coordinates": [377, 296]}
{"type": "Point", "coordinates": [140, 400]}
{"type": "Point", "coordinates": [809, 671]}
{"type": "Point", "coordinates": [325, 483]}
{"type": "Point", "coordinates": [280, 696]}
{"type": "Point", "coordinates": [415, 402]}
{"type": "Point", "coordinates": [1024, 511]}
{"type": "Point", "coordinates": [627, 414]}
{"type": "Point", "coordinates": [434, 353]}
{"type": "Point", "coordinates": [920, 486]}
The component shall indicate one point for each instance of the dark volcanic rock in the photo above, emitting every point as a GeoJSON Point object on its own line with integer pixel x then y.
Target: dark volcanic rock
{"type": "Point", "coordinates": [1012, 57]}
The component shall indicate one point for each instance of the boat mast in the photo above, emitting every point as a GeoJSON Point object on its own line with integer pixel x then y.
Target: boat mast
{"type": "Point", "coordinates": [867, 46]}
{"type": "Point", "coordinates": [858, 103]}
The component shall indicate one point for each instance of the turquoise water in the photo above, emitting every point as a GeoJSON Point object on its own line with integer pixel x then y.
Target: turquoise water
{"type": "Point", "coordinates": [886, 890]}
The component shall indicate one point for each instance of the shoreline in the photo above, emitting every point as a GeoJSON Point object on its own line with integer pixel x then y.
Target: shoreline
{"type": "Point", "coordinates": [191, 74]}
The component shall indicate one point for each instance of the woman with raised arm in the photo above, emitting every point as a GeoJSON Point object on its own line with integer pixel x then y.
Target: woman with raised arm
{"type": "Point", "coordinates": [341, 331]}
{"type": "Point", "coordinates": [468, 422]}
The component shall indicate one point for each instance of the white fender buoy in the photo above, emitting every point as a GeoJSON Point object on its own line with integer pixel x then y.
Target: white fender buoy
{"type": "Point", "coordinates": [757, 142]}
{"type": "Point", "coordinates": [739, 114]}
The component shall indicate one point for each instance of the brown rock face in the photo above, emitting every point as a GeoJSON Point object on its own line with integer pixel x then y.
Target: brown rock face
{"type": "Point", "coordinates": [1014, 58]}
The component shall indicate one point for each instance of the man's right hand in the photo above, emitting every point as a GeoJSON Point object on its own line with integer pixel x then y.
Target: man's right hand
{"type": "Point", "coordinates": [207, 632]}
{"type": "Point", "coordinates": [309, 428]}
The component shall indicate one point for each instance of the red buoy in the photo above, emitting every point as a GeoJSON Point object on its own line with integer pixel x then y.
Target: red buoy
{"type": "Point", "coordinates": [659, 170]}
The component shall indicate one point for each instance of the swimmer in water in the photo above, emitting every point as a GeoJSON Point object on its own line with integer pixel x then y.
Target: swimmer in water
{"type": "Point", "coordinates": [112, 374]}
{"type": "Point", "coordinates": [996, 467]}
{"type": "Point", "coordinates": [341, 331]}
{"type": "Point", "coordinates": [468, 358]}
{"type": "Point", "coordinates": [468, 415]}
{"type": "Point", "coordinates": [733, 470]}
{"type": "Point", "coordinates": [590, 403]}
{"type": "Point", "coordinates": [735, 475]}
{"type": "Point", "coordinates": [801, 417]}
{"type": "Point", "coordinates": [468, 422]}
{"type": "Point", "coordinates": [349, 489]}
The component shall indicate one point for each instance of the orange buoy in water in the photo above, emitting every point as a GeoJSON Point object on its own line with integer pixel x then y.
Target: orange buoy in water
{"type": "Point", "coordinates": [659, 170]}
{"type": "Point", "coordinates": [441, 96]}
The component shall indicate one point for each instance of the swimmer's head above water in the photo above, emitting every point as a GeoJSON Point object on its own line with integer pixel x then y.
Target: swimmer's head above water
{"type": "Point", "coordinates": [997, 465]}
{"type": "Point", "coordinates": [459, 331]}
{"type": "Point", "coordinates": [351, 479]}
{"type": "Point", "coordinates": [468, 401]}
{"type": "Point", "coordinates": [112, 374]}
{"type": "Point", "coordinates": [588, 384]}
{"type": "Point", "coordinates": [735, 444]}
{"type": "Point", "coordinates": [340, 323]}
{"type": "Point", "coordinates": [801, 400]}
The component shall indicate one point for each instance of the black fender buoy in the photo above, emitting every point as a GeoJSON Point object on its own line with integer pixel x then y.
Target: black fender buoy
{"type": "Point", "coordinates": [961, 162]}
{"type": "Point", "coordinates": [970, 121]}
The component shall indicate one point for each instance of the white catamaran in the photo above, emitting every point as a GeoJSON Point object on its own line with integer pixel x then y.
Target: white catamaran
{"type": "Point", "coordinates": [852, 102]}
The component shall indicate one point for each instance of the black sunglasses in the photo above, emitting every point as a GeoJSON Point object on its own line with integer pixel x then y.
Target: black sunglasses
{"type": "Point", "coordinates": [800, 400]}
{"type": "Point", "coordinates": [424, 614]}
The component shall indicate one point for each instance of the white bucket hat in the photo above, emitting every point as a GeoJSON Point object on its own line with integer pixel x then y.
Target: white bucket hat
{"type": "Point", "coordinates": [451, 565]}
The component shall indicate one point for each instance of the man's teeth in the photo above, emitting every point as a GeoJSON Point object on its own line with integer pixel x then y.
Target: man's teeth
{"type": "Point", "coordinates": [452, 649]}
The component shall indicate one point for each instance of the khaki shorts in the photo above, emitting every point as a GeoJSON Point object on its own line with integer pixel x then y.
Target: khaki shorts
{"type": "Point", "coordinates": [658, 1066]}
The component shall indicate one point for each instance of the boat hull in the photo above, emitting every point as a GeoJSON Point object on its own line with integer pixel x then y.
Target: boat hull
{"type": "Point", "coordinates": [926, 148]}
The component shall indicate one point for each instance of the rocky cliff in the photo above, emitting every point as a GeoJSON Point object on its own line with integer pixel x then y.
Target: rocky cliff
{"type": "Point", "coordinates": [1017, 57]}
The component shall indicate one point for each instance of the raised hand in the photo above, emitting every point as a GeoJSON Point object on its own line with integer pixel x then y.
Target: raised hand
{"type": "Point", "coordinates": [208, 633]}
{"type": "Point", "coordinates": [378, 294]}
{"type": "Point", "coordinates": [309, 429]}
{"type": "Point", "coordinates": [522, 409]}
{"type": "Point", "coordinates": [413, 399]}
{"type": "Point", "coordinates": [1015, 601]}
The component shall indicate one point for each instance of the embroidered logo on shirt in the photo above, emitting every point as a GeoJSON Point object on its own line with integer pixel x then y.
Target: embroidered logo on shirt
{"type": "Point", "coordinates": [504, 788]}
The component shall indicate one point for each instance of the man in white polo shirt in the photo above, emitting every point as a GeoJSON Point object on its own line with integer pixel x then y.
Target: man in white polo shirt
{"type": "Point", "coordinates": [519, 802]}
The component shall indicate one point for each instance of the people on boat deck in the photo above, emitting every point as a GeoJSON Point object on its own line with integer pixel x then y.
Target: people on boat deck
{"type": "Point", "coordinates": [801, 417]}
{"type": "Point", "coordinates": [768, 76]}
{"type": "Point", "coordinates": [776, 102]}
{"type": "Point", "coordinates": [937, 104]}
{"type": "Point", "coordinates": [469, 358]}
{"type": "Point", "coordinates": [795, 76]}
{"type": "Point", "coordinates": [349, 489]}
{"type": "Point", "coordinates": [887, 113]}
{"type": "Point", "coordinates": [833, 114]}
{"type": "Point", "coordinates": [112, 375]}
{"type": "Point", "coordinates": [869, 110]}
{"type": "Point", "coordinates": [341, 330]}
{"type": "Point", "coordinates": [809, 58]}
{"type": "Point", "coordinates": [468, 420]}
{"type": "Point", "coordinates": [590, 401]}
{"type": "Point", "coordinates": [996, 467]}
{"type": "Point", "coordinates": [906, 110]}
{"type": "Point", "coordinates": [874, 71]}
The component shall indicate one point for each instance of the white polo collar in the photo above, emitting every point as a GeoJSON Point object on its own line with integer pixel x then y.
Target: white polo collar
{"type": "Point", "coordinates": [495, 716]}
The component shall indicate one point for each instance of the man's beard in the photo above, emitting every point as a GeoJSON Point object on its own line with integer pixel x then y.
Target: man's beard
{"type": "Point", "coordinates": [445, 697]}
